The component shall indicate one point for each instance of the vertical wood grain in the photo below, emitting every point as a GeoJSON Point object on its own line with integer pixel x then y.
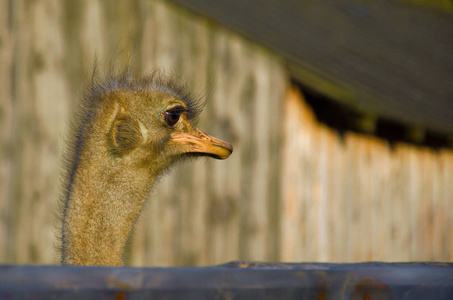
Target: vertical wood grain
{"type": "Point", "coordinates": [7, 42]}
{"type": "Point", "coordinates": [376, 202]}
{"type": "Point", "coordinates": [293, 189]}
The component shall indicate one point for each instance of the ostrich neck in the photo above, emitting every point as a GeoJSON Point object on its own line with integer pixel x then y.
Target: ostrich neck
{"type": "Point", "coordinates": [103, 201]}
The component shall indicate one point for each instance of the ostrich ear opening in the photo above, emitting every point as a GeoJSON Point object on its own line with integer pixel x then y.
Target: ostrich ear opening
{"type": "Point", "coordinates": [125, 135]}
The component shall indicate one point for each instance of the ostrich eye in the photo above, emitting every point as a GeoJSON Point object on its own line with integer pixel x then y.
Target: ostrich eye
{"type": "Point", "coordinates": [172, 117]}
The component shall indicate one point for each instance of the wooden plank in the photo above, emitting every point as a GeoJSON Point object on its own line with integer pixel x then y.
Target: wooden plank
{"type": "Point", "coordinates": [332, 202]}
{"type": "Point", "coordinates": [277, 88]}
{"type": "Point", "coordinates": [438, 212]}
{"type": "Point", "coordinates": [16, 248]}
{"type": "Point", "coordinates": [162, 221]}
{"type": "Point", "coordinates": [324, 207]}
{"type": "Point", "coordinates": [7, 41]}
{"type": "Point", "coordinates": [194, 233]}
{"type": "Point", "coordinates": [379, 178]}
{"type": "Point", "coordinates": [338, 199]}
{"type": "Point", "coordinates": [401, 241]}
{"type": "Point", "coordinates": [447, 205]}
{"type": "Point", "coordinates": [289, 229]}
{"type": "Point", "coordinates": [259, 206]}
{"type": "Point", "coordinates": [224, 216]}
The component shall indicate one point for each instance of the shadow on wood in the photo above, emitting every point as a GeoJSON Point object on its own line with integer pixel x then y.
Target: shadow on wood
{"type": "Point", "coordinates": [236, 280]}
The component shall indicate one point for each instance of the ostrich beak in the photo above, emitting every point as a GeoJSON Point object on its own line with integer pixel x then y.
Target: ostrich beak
{"type": "Point", "coordinates": [201, 143]}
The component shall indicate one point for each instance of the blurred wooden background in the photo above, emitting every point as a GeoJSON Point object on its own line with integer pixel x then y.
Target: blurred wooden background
{"type": "Point", "coordinates": [293, 190]}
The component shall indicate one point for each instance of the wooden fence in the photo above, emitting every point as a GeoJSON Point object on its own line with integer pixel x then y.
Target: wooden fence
{"type": "Point", "coordinates": [355, 198]}
{"type": "Point", "coordinates": [293, 190]}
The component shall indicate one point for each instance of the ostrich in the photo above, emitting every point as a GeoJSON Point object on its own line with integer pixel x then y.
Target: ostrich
{"type": "Point", "coordinates": [128, 131]}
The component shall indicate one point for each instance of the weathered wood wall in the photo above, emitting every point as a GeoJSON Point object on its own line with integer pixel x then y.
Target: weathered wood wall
{"type": "Point", "coordinates": [292, 190]}
{"type": "Point", "coordinates": [354, 198]}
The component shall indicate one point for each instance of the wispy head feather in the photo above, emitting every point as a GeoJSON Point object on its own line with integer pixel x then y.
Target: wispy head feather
{"type": "Point", "coordinates": [154, 80]}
